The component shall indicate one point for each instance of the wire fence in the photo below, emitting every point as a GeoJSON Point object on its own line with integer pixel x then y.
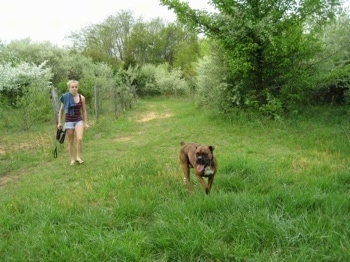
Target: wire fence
{"type": "Point", "coordinates": [104, 101]}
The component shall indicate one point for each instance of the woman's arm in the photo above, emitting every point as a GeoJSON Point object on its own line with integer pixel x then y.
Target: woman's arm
{"type": "Point", "coordinates": [60, 111]}
{"type": "Point", "coordinates": [84, 112]}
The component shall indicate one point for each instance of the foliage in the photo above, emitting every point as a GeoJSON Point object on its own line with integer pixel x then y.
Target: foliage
{"type": "Point", "coordinates": [127, 85]}
{"type": "Point", "coordinates": [63, 64]}
{"type": "Point", "coordinates": [105, 42]}
{"type": "Point", "coordinates": [170, 82]}
{"type": "Point", "coordinates": [268, 46]}
{"type": "Point", "coordinates": [212, 89]}
{"type": "Point", "coordinates": [147, 44]}
{"type": "Point", "coordinates": [186, 54]}
{"type": "Point", "coordinates": [123, 41]}
{"type": "Point", "coordinates": [333, 64]}
{"type": "Point", "coordinates": [158, 42]}
{"type": "Point", "coordinates": [146, 81]}
{"type": "Point", "coordinates": [33, 106]}
{"type": "Point", "coordinates": [21, 81]}
{"type": "Point", "coordinates": [26, 88]}
{"type": "Point", "coordinates": [272, 107]}
{"type": "Point", "coordinates": [161, 80]}
{"type": "Point", "coordinates": [20, 51]}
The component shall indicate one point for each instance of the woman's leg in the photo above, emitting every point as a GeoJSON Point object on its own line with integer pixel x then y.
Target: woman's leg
{"type": "Point", "coordinates": [70, 134]}
{"type": "Point", "coordinates": [79, 130]}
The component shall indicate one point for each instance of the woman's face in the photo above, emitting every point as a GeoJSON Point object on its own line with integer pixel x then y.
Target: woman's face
{"type": "Point", "coordinates": [73, 88]}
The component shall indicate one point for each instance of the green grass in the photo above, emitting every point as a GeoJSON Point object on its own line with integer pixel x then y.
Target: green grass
{"type": "Point", "coordinates": [281, 192]}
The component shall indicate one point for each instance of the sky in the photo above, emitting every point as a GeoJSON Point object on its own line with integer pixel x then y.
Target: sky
{"type": "Point", "coordinates": [48, 20]}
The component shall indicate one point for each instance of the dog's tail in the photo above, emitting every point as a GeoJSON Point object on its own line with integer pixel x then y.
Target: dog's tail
{"type": "Point", "coordinates": [182, 143]}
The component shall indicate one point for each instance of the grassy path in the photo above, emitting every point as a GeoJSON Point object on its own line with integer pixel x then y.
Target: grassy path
{"type": "Point", "coordinates": [281, 193]}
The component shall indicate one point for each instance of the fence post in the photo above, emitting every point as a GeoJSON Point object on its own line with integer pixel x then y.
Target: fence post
{"type": "Point", "coordinates": [115, 101]}
{"type": "Point", "coordinates": [96, 94]}
{"type": "Point", "coordinates": [55, 104]}
{"type": "Point", "coordinates": [123, 100]}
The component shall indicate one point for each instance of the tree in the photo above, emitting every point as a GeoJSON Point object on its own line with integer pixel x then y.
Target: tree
{"type": "Point", "coordinates": [160, 42]}
{"type": "Point", "coordinates": [105, 42]}
{"type": "Point", "coordinates": [333, 64]}
{"type": "Point", "coordinates": [268, 45]}
{"type": "Point", "coordinates": [20, 51]}
{"type": "Point", "coordinates": [186, 53]}
{"type": "Point", "coordinates": [145, 43]}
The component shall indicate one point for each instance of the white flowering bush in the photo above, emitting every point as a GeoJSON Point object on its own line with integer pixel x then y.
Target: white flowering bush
{"type": "Point", "coordinates": [26, 88]}
{"type": "Point", "coordinates": [170, 82]}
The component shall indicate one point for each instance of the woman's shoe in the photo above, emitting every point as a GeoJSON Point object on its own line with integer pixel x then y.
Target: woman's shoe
{"type": "Point", "coordinates": [79, 161]}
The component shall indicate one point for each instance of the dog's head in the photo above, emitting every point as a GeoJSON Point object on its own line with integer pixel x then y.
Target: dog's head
{"type": "Point", "coordinates": [204, 157]}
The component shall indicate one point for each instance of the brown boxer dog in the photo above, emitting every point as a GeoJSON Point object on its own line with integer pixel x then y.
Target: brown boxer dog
{"type": "Point", "coordinates": [202, 160]}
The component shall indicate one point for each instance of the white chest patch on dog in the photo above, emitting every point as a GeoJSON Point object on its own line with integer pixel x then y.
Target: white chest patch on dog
{"type": "Point", "coordinates": [208, 171]}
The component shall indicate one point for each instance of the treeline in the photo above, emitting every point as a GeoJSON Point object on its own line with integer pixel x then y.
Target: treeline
{"type": "Point", "coordinates": [272, 55]}
{"type": "Point", "coordinates": [269, 56]}
{"type": "Point", "coordinates": [121, 54]}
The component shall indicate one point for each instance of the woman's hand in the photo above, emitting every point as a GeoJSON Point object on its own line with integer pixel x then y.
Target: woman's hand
{"type": "Point", "coordinates": [59, 126]}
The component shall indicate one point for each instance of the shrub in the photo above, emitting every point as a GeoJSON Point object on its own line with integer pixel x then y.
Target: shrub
{"type": "Point", "coordinates": [158, 80]}
{"type": "Point", "coordinates": [170, 82]}
{"type": "Point", "coordinates": [213, 89]}
{"type": "Point", "coordinates": [26, 88]}
{"type": "Point", "coordinates": [146, 84]}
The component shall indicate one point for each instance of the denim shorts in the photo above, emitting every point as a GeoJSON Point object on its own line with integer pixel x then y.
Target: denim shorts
{"type": "Point", "coordinates": [71, 125]}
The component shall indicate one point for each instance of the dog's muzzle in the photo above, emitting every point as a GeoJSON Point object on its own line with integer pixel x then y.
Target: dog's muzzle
{"type": "Point", "coordinates": [203, 166]}
{"type": "Point", "coordinates": [203, 161]}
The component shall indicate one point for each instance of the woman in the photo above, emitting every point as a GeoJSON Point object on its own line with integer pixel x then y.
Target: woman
{"type": "Point", "coordinates": [74, 107]}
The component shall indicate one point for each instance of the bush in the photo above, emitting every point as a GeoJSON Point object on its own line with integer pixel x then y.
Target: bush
{"type": "Point", "coordinates": [146, 84]}
{"type": "Point", "coordinates": [273, 107]}
{"type": "Point", "coordinates": [158, 80]}
{"type": "Point", "coordinates": [34, 106]}
{"type": "Point", "coordinates": [212, 88]}
{"type": "Point", "coordinates": [26, 87]}
{"type": "Point", "coordinates": [170, 83]}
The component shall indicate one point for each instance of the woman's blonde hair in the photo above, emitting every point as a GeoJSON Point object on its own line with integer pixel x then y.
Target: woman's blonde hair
{"type": "Point", "coordinates": [72, 82]}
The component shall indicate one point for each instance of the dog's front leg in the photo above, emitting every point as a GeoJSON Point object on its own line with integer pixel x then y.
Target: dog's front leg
{"type": "Point", "coordinates": [203, 183]}
{"type": "Point", "coordinates": [210, 182]}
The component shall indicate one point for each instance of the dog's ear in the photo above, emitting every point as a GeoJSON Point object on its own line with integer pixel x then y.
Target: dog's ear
{"type": "Point", "coordinates": [211, 148]}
